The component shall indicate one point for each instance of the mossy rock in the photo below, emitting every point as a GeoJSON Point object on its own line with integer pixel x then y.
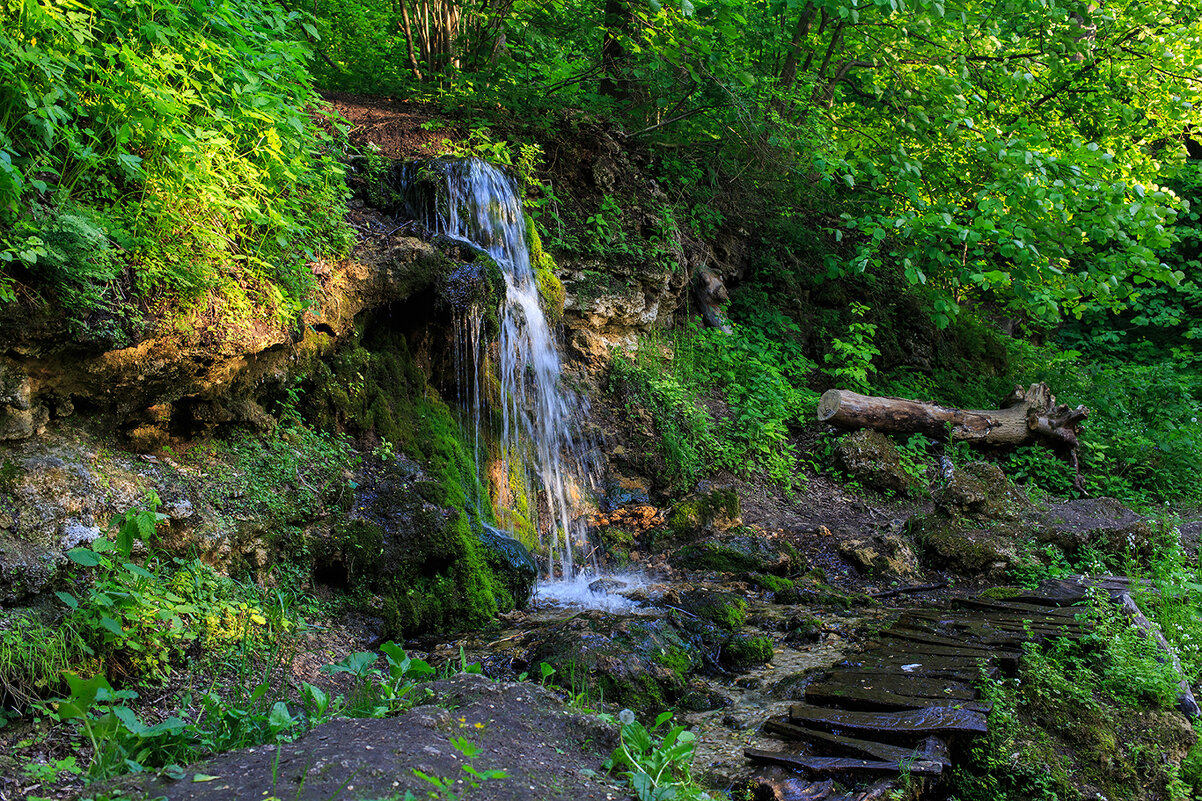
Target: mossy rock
{"type": "Point", "coordinates": [744, 551]}
{"type": "Point", "coordinates": [724, 609]}
{"type": "Point", "coordinates": [1101, 523]}
{"type": "Point", "coordinates": [980, 492]}
{"type": "Point", "coordinates": [812, 590]}
{"type": "Point", "coordinates": [872, 459]}
{"type": "Point", "coordinates": [962, 547]}
{"type": "Point", "coordinates": [635, 662]}
{"type": "Point", "coordinates": [713, 508]}
{"type": "Point", "coordinates": [550, 289]}
{"type": "Point", "coordinates": [770, 583]}
{"type": "Point", "coordinates": [743, 651]}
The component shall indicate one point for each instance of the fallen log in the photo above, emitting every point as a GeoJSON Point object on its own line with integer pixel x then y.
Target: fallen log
{"type": "Point", "coordinates": [1026, 415]}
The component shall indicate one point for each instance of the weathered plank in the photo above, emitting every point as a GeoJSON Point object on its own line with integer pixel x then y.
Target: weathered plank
{"type": "Point", "coordinates": [829, 765]}
{"type": "Point", "coordinates": [904, 683]}
{"type": "Point", "coordinates": [864, 698]}
{"type": "Point", "coordinates": [931, 720]}
{"type": "Point", "coordinates": [828, 742]}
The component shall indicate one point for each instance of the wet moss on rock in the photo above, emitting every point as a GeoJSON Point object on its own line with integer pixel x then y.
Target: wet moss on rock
{"type": "Point", "coordinates": [743, 551]}
{"type": "Point", "coordinates": [743, 651]}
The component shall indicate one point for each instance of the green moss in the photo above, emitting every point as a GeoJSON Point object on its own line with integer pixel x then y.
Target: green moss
{"type": "Point", "coordinates": [724, 609]}
{"type": "Point", "coordinates": [550, 288]}
{"type": "Point", "coordinates": [432, 572]}
{"type": "Point", "coordinates": [691, 516]}
{"type": "Point", "coordinates": [743, 651]}
{"type": "Point", "coordinates": [766, 581]}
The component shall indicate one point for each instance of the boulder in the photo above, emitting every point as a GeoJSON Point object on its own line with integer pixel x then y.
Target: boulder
{"type": "Point", "coordinates": [1102, 523]}
{"type": "Point", "coordinates": [870, 458]}
{"type": "Point", "coordinates": [885, 555]}
{"type": "Point", "coordinates": [637, 662]}
{"type": "Point", "coordinates": [980, 492]}
{"type": "Point", "coordinates": [740, 550]}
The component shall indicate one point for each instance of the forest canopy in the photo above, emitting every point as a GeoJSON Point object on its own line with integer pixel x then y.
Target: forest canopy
{"type": "Point", "coordinates": [1023, 152]}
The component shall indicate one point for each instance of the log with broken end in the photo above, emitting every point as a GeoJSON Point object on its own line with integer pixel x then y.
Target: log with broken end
{"type": "Point", "coordinates": [1026, 414]}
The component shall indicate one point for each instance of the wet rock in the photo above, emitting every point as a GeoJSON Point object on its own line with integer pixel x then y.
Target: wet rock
{"type": "Point", "coordinates": [604, 586]}
{"type": "Point", "coordinates": [870, 458]}
{"type": "Point", "coordinates": [637, 662]}
{"type": "Point", "coordinates": [724, 609]}
{"type": "Point", "coordinates": [739, 551]}
{"type": "Point", "coordinates": [885, 555]}
{"type": "Point", "coordinates": [700, 697]}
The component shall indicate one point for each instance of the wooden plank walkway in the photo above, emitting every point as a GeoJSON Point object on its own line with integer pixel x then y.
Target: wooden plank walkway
{"type": "Point", "coordinates": [906, 703]}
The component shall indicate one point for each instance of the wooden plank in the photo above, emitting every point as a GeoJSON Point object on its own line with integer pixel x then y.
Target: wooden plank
{"type": "Point", "coordinates": [1018, 608]}
{"type": "Point", "coordinates": [912, 635]}
{"type": "Point", "coordinates": [828, 765]}
{"type": "Point", "coordinates": [828, 742]}
{"type": "Point", "coordinates": [904, 683]}
{"type": "Point", "coordinates": [849, 697]}
{"type": "Point", "coordinates": [903, 647]}
{"type": "Point", "coordinates": [965, 676]}
{"type": "Point", "coordinates": [932, 720]}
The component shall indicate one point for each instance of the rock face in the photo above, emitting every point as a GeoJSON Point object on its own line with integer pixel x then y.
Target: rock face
{"type": "Point", "coordinates": [872, 459]}
{"type": "Point", "coordinates": [198, 376]}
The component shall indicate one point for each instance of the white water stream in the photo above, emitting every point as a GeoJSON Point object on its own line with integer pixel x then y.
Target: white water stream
{"type": "Point", "coordinates": [540, 416]}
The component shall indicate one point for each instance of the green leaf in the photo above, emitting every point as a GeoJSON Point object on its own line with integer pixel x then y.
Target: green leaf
{"type": "Point", "coordinates": [83, 556]}
{"type": "Point", "coordinates": [112, 625]}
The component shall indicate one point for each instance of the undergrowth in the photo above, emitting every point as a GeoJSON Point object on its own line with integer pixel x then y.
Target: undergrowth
{"type": "Point", "coordinates": [719, 401]}
{"type": "Point", "coordinates": [154, 150]}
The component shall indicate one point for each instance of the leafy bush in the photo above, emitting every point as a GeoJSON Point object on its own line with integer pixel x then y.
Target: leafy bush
{"type": "Point", "coordinates": [179, 140]}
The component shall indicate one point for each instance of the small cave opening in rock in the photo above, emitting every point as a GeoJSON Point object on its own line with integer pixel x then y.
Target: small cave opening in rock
{"type": "Point", "coordinates": [332, 574]}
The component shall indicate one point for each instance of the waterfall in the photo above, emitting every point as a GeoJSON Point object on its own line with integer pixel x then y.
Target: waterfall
{"type": "Point", "coordinates": [540, 440]}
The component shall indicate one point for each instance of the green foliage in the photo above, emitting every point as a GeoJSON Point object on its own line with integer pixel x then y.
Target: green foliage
{"type": "Point", "coordinates": [1142, 441]}
{"type": "Point", "coordinates": [144, 617]}
{"type": "Point", "coordinates": [851, 358]}
{"type": "Point", "coordinates": [156, 149]}
{"type": "Point", "coordinates": [377, 693]}
{"type": "Point", "coordinates": [758, 375]}
{"type": "Point", "coordinates": [121, 742]}
{"type": "Point", "coordinates": [657, 765]}
{"type": "Point", "coordinates": [34, 656]}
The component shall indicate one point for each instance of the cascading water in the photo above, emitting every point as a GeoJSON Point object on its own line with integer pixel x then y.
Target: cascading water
{"type": "Point", "coordinates": [480, 205]}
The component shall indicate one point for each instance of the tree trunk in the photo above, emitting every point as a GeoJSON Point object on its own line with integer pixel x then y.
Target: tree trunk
{"type": "Point", "coordinates": [1030, 414]}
